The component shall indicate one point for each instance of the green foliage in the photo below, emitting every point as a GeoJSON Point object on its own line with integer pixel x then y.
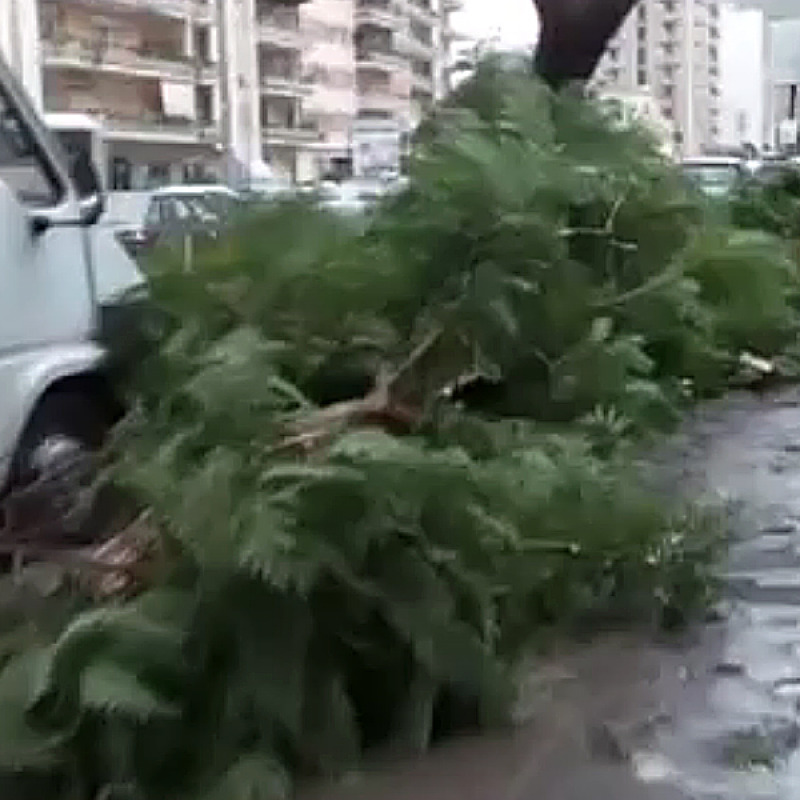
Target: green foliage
{"type": "Point", "coordinates": [338, 584]}
{"type": "Point", "coordinates": [772, 206]}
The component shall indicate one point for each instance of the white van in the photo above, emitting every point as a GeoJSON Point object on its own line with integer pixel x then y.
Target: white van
{"type": "Point", "coordinates": [66, 290]}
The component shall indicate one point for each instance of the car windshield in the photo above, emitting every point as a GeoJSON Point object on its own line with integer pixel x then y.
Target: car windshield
{"type": "Point", "coordinates": [181, 209]}
{"type": "Point", "coordinates": [712, 178]}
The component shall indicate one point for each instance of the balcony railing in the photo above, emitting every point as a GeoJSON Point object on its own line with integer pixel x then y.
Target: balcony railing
{"type": "Point", "coordinates": [198, 9]}
{"type": "Point", "coordinates": [422, 83]}
{"type": "Point", "coordinates": [380, 13]}
{"type": "Point", "coordinates": [378, 58]}
{"type": "Point", "coordinates": [380, 100]}
{"type": "Point", "coordinates": [421, 9]}
{"type": "Point", "coordinates": [410, 45]}
{"type": "Point", "coordinates": [144, 122]}
{"type": "Point", "coordinates": [280, 133]}
{"type": "Point", "coordinates": [91, 55]}
{"type": "Point", "coordinates": [281, 27]}
{"type": "Point", "coordinates": [163, 129]}
{"type": "Point", "coordinates": [285, 85]}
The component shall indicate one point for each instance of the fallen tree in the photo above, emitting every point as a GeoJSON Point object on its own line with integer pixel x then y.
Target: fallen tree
{"type": "Point", "coordinates": [379, 466]}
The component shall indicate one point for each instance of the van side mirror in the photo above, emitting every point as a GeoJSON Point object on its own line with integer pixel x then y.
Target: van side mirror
{"type": "Point", "coordinates": [91, 200]}
{"type": "Point", "coordinates": [87, 186]}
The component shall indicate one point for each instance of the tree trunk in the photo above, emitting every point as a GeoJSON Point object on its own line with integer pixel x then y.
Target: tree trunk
{"type": "Point", "coordinates": [574, 34]}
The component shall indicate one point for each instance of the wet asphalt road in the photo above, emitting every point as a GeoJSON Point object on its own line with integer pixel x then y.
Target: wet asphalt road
{"type": "Point", "coordinates": [736, 733]}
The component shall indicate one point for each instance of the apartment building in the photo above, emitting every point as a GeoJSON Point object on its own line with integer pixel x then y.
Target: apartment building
{"type": "Point", "coordinates": [671, 49]}
{"type": "Point", "coordinates": [783, 69]}
{"type": "Point", "coordinates": [147, 71]}
{"type": "Point", "coordinates": [775, 33]}
{"type": "Point", "coordinates": [329, 69]}
{"type": "Point", "coordinates": [237, 88]}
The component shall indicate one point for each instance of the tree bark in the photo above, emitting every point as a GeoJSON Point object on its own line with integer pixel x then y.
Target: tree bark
{"type": "Point", "coordinates": [573, 36]}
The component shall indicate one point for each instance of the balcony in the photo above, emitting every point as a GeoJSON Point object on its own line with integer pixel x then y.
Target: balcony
{"type": "Point", "coordinates": [377, 100]}
{"type": "Point", "coordinates": [90, 55]}
{"type": "Point", "coordinates": [278, 134]}
{"type": "Point", "coordinates": [281, 28]}
{"type": "Point", "coordinates": [285, 85]}
{"type": "Point", "coordinates": [422, 10]}
{"type": "Point", "coordinates": [379, 13]}
{"type": "Point", "coordinates": [378, 59]}
{"type": "Point", "coordinates": [410, 45]}
{"type": "Point", "coordinates": [200, 10]}
{"type": "Point", "coordinates": [421, 83]}
{"type": "Point", "coordinates": [143, 125]}
{"type": "Point", "coordinates": [157, 129]}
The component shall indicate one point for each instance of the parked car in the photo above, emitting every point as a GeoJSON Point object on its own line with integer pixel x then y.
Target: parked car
{"type": "Point", "coordinates": [355, 196]}
{"type": "Point", "coordinates": [715, 176]}
{"type": "Point", "coordinates": [173, 212]}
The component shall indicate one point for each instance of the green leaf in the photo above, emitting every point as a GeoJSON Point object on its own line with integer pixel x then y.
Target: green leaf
{"type": "Point", "coordinates": [110, 688]}
{"type": "Point", "coordinates": [601, 329]}
{"type": "Point", "coordinates": [23, 745]}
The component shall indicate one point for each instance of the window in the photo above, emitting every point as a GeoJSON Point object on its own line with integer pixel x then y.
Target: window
{"type": "Point", "coordinates": [121, 174]}
{"type": "Point", "coordinates": [204, 102]}
{"type": "Point", "coordinates": [23, 167]}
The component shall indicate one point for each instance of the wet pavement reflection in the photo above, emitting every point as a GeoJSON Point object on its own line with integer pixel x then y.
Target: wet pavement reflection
{"type": "Point", "coordinates": [737, 734]}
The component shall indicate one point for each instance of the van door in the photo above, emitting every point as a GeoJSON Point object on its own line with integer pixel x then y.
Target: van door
{"type": "Point", "coordinates": [45, 278]}
{"type": "Point", "coordinates": [46, 304]}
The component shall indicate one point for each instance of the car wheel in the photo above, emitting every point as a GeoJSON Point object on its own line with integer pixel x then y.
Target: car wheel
{"type": "Point", "coordinates": [51, 489]}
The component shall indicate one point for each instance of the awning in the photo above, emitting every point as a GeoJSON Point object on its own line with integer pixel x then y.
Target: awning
{"type": "Point", "coordinates": [177, 100]}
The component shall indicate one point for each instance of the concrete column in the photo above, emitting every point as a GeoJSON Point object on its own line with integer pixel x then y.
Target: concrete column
{"type": "Point", "coordinates": [188, 37]}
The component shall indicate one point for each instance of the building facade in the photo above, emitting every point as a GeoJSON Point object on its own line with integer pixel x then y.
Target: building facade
{"type": "Point", "coordinates": [783, 98]}
{"type": "Point", "coordinates": [184, 88]}
{"type": "Point", "coordinates": [147, 71]}
{"type": "Point", "coordinates": [744, 78]}
{"type": "Point", "coordinates": [671, 48]}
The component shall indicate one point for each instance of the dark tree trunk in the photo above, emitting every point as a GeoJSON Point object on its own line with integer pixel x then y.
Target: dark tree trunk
{"type": "Point", "coordinates": [574, 34]}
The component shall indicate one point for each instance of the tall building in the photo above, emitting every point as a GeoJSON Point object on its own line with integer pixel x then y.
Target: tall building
{"type": "Point", "coordinates": [147, 71]}
{"type": "Point", "coordinates": [783, 98]}
{"type": "Point", "coordinates": [780, 67]}
{"type": "Point", "coordinates": [744, 78]}
{"type": "Point", "coordinates": [182, 86]}
{"type": "Point", "coordinates": [671, 49]}
{"type": "Point", "coordinates": [400, 53]}
{"type": "Point", "coordinates": [329, 69]}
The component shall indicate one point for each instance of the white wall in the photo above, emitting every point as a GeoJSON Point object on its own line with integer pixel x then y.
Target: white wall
{"type": "Point", "coordinates": [744, 77]}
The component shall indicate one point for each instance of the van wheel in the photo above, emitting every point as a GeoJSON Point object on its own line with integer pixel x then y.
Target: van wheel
{"type": "Point", "coordinates": [51, 495]}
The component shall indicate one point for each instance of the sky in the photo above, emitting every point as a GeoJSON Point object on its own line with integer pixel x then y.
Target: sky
{"type": "Point", "coordinates": [512, 23]}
